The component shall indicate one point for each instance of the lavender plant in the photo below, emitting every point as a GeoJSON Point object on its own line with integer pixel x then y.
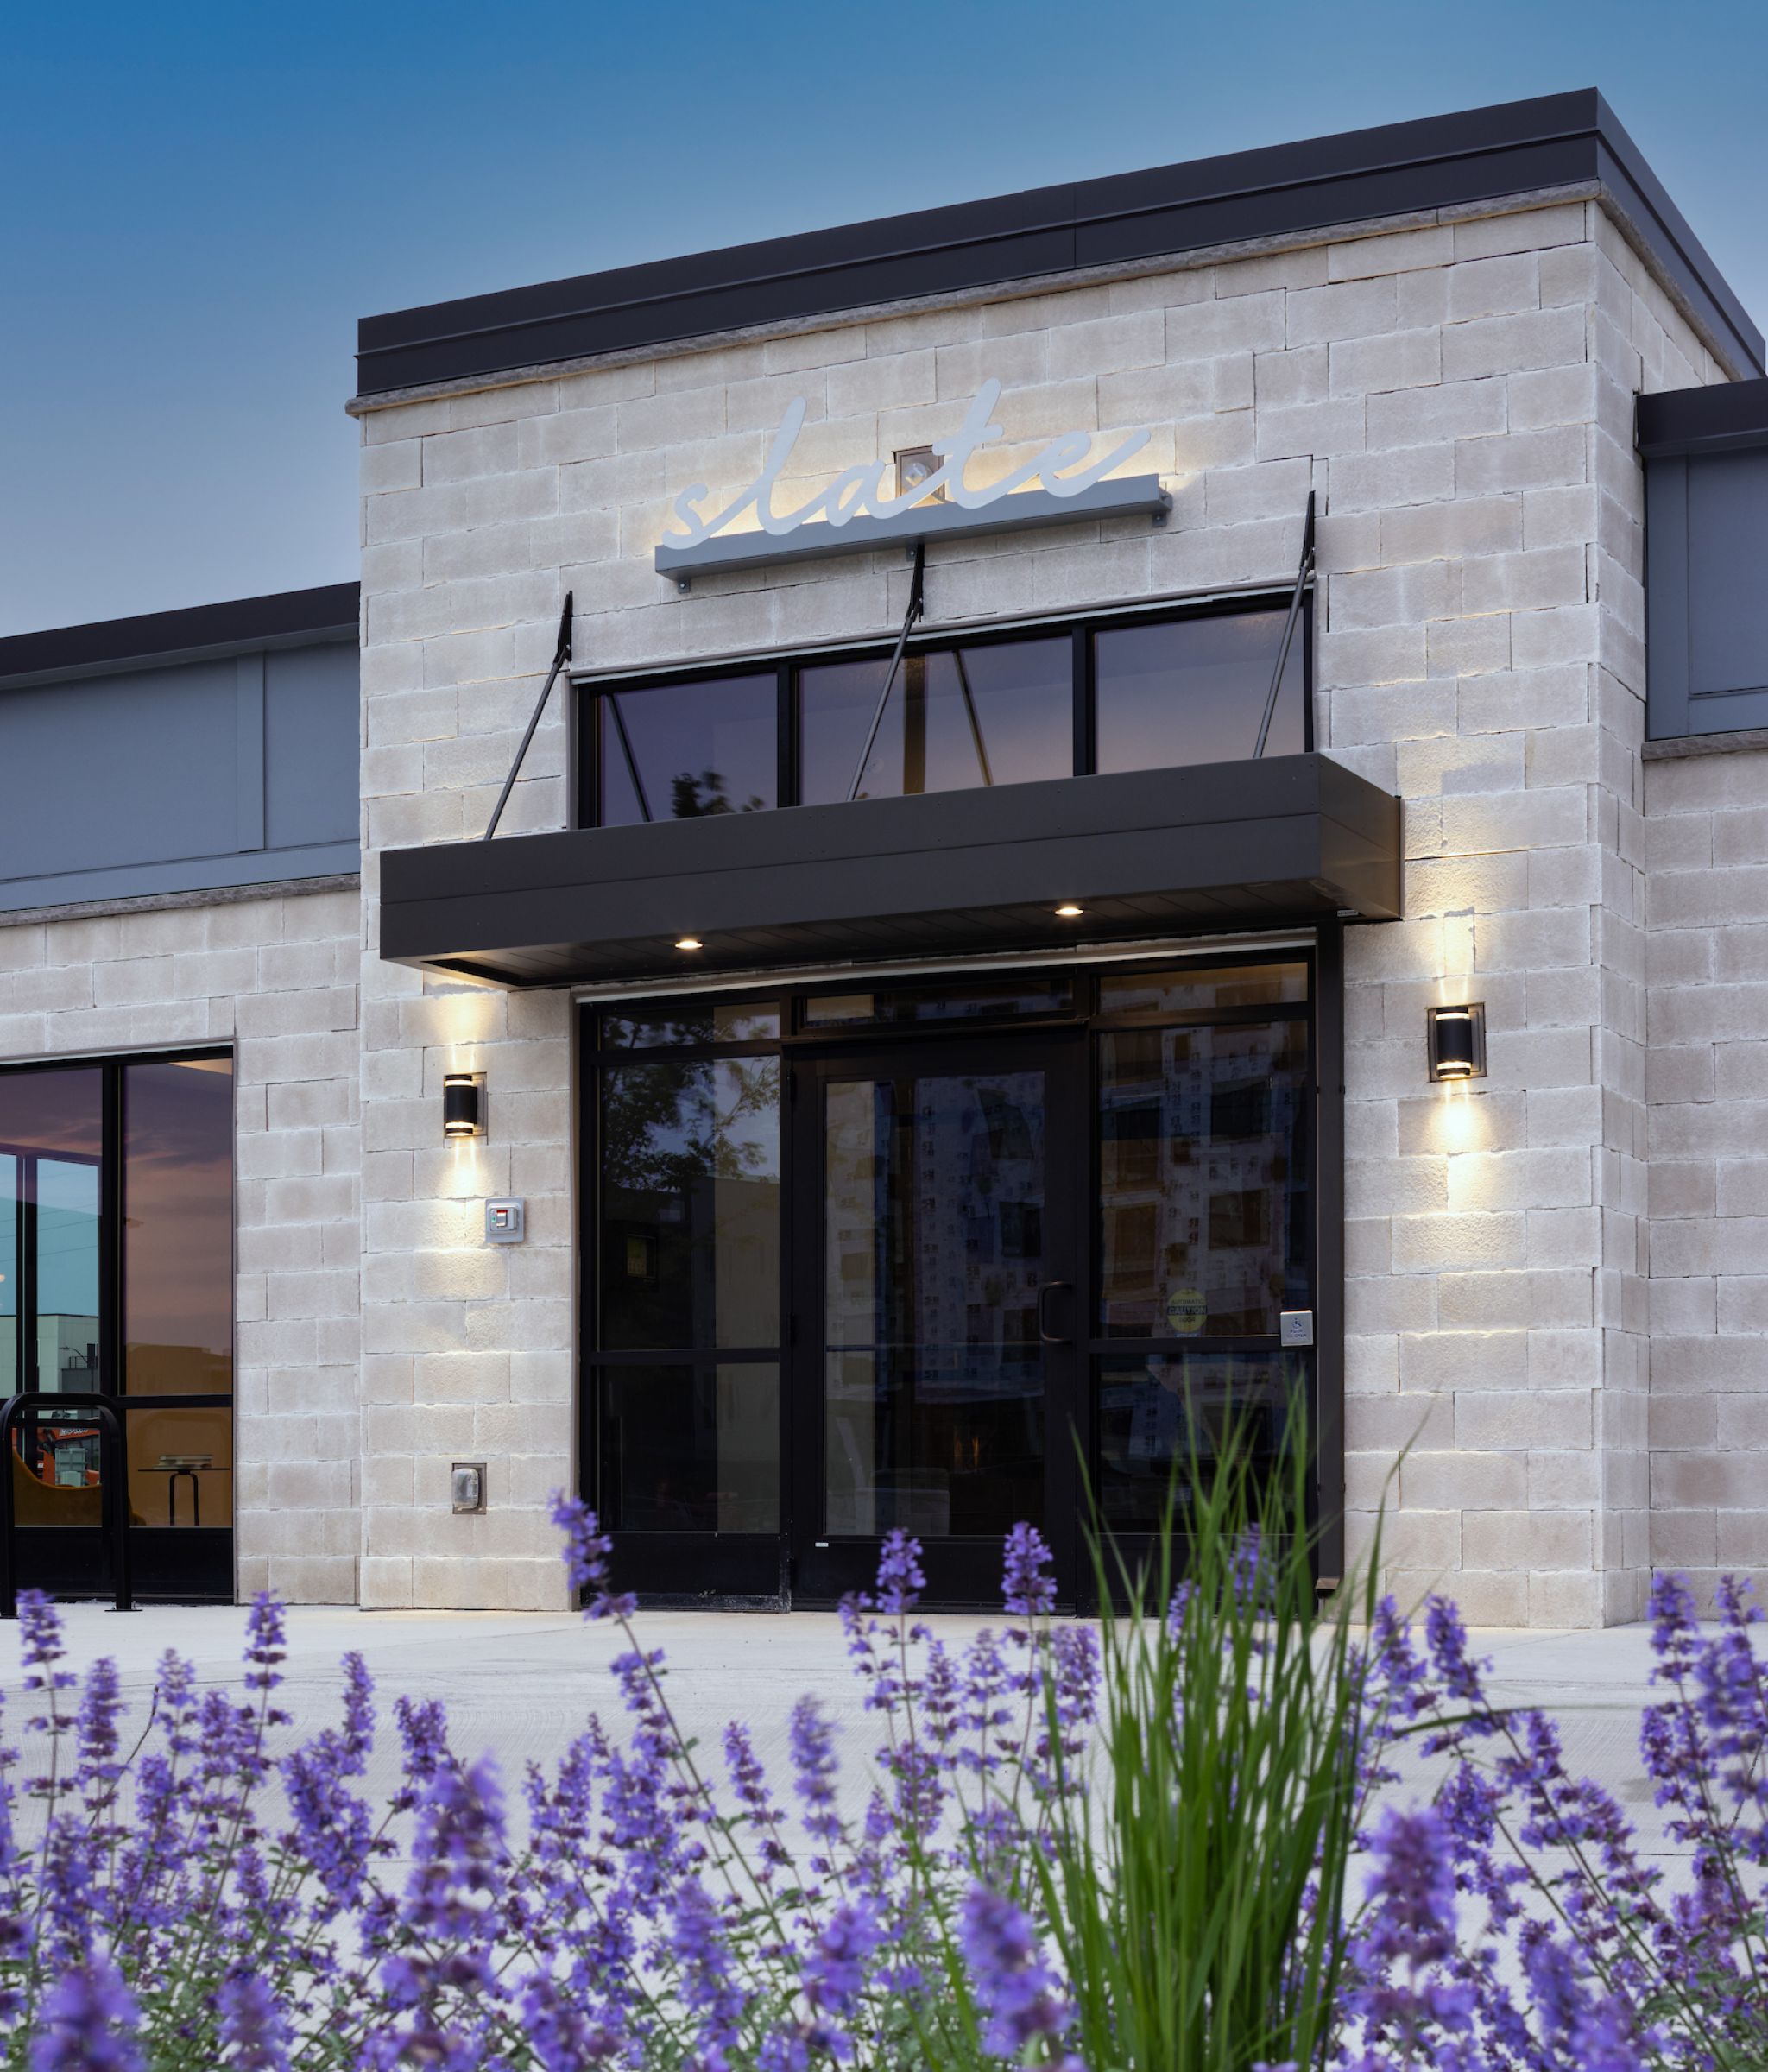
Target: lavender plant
{"type": "Point", "coordinates": [1178, 1842]}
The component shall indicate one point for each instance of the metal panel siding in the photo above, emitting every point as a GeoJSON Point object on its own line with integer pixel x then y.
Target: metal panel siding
{"type": "Point", "coordinates": [188, 777]}
{"type": "Point", "coordinates": [111, 771]}
{"type": "Point", "coordinates": [1706, 607]}
{"type": "Point", "coordinates": [1728, 607]}
{"type": "Point", "coordinates": [311, 761]}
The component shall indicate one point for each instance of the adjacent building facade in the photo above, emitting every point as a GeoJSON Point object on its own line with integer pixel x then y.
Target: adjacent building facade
{"type": "Point", "coordinates": [944, 1024]}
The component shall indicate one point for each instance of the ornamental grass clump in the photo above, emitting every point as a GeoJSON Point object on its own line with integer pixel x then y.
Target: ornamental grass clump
{"type": "Point", "coordinates": [1176, 1841]}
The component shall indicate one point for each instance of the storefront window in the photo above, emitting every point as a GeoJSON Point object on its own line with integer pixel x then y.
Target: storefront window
{"type": "Point", "coordinates": [1000, 713]}
{"type": "Point", "coordinates": [120, 1177]}
{"type": "Point", "coordinates": [178, 1226]}
{"type": "Point", "coordinates": [685, 1392]}
{"type": "Point", "coordinates": [692, 1448]}
{"type": "Point", "coordinates": [690, 1205]}
{"type": "Point", "coordinates": [1190, 691]}
{"type": "Point", "coordinates": [1165, 1420]}
{"type": "Point", "coordinates": [1135, 694]}
{"type": "Point", "coordinates": [681, 751]}
{"type": "Point", "coordinates": [1202, 1180]}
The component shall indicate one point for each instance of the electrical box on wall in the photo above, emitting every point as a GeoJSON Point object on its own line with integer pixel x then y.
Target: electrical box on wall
{"type": "Point", "coordinates": [466, 1487]}
{"type": "Point", "coordinates": [506, 1222]}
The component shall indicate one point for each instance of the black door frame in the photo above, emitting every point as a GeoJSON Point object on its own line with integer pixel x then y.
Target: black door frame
{"type": "Point", "coordinates": [194, 1562]}
{"type": "Point", "coordinates": [961, 1572]}
{"type": "Point", "coordinates": [677, 1570]}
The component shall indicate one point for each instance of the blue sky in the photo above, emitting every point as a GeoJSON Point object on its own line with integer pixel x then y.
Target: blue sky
{"type": "Point", "coordinates": [199, 199]}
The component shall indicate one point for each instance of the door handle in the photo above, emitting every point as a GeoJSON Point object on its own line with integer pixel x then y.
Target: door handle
{"type": "Point", "coordinates": [1049, 1288]}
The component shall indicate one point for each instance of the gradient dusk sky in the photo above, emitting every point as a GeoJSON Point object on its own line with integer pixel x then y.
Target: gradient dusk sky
{"type": "Point", "coordinates": [197, 202]}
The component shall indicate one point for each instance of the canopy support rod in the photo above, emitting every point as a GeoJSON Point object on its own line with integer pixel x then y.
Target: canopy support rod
{"type": "Point", "coordinates": [1302, 572]}
{"type": "Point", "coordinates": [970, 710]}
{"type": "Point", "coordinates": [561, 656]}
{"type": "Point", "coordinates": [916, 606]}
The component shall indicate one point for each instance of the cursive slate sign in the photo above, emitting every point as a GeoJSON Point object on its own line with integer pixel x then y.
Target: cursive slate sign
{"type": "Point", "coordinates": [1060, 485]}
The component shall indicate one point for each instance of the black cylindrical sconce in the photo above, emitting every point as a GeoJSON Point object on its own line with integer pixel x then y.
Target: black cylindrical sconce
{"type": "Point", "coordinates": [1456, 1036]}
{"type": "Point", "coordinates": [462, 1105]}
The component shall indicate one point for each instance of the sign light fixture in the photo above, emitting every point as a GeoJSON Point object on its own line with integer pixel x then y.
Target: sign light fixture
{"type": "Point", "coordinates": [1456, 1040]}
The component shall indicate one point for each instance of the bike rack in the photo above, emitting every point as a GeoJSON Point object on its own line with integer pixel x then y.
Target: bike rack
{"type": "Point", "coordinates": [113, 1472]}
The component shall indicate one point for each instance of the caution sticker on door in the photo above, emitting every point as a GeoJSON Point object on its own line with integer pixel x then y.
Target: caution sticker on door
{"type": "Point", "coordinates": [1187, 1312]}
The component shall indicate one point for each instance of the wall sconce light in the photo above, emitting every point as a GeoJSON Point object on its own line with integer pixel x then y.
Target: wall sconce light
{"type": "Point", "coordinates": [462, 1105]}
{"type": "Point", "coordinates": [1456, 1040]}
{"type": "Point", "coordinates": [914, 465]}
{"type": "Point", "coordinates": [466, 1487]}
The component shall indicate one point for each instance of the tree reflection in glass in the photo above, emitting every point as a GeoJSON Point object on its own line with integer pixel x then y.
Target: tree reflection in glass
{"type": "Point", "coordinates": [689, 1177]}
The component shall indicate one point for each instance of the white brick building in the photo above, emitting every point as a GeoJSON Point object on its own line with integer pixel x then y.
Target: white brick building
{"type": "Point", "coordinates": [890, 1085]}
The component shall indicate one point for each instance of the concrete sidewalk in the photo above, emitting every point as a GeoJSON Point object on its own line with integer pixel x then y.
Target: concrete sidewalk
{"type": "Point", "coordinates": [522, 1686]}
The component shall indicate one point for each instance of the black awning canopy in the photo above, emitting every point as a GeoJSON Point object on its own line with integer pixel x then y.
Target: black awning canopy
{"type": "Point", "coordinates": [1286, 839]}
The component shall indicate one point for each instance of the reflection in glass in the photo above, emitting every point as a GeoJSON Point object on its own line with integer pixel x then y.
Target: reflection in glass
{"type": "Point", "coordinates": [56, 1469]}
{"type": "Point", "coordinates": [998, 713]}
{"type": "Point", "coordinates": [953, 1000]}
{"type": "Point", "coordinates": [689, 1176]}
{"type": "Point", "coordinates": [1194, 691]}
{"type": "Point", "coordinates": [681, 751]}
{"type": "Point", "coordinates": [690, 1022]}
{"type": "Point", "coordinates": [1202, 989]}
{"type": "Point", "coordinates": [66, 1273]}
{"type": "Point", "coordinates": [933, 1254]}
{"type": "Point", "coordinates": [50, 1137]}
{"type": "Point", "coordinates": [691, 1449]}
{"type": "Point", "coordinates": [1161, 1417]}
{"type": "Point", "coordinates": [177, 1228]}
{"type": "Point", "coordinates": [10, 1356]}
{"type": "Point", "coordinates": [180, 1466]}
{"type": "Point", "coordinates": [1203, 1179]}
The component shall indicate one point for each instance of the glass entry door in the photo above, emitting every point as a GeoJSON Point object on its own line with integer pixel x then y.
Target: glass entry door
{"type": "Point", "coordinates": [906, 1256]}
{"type": "Point", "coordinates": [939, 1249]}
{"type": "Point", "coordinates": [116, 1279]}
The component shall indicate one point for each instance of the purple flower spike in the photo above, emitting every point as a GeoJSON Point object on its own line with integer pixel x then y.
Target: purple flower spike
{"type": "Point", "coordinates": [87, 2025]}
{"type": "Point", "coordinates": [1028, 1588]}
{"type": "Point", "coordinates": [1412, 1887]}
{"type": "Point", "coordinates": [1016, 1992]}
{"type": "Point", "coordinates": [254, 2035]}
{"type": "Point", "coordinates": [900, 1578]}
{"type": "Point", "coordinates": [586, 1551]}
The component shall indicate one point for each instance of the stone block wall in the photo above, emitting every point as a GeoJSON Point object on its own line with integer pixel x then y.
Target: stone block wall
{"type": "Point", "coordinates": [1706, 1087]}
{"type": "Point", "coordinates": [275, 977]}
{"type": "Point", "coordinates": [1460, 394]}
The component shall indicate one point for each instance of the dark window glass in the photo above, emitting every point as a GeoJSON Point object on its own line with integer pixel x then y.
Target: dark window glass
{"type": "Point", "coordinates": [1203, 1179]}
{"type": "Point", "coordinates": [181, 1466]}
{"type": "Point", "coordinates": [1161, 1419]}
{"type": "Point", "coordinates": [691, 1449]}
{"type": "Point", "coordinates": [983, 999]}
{"type": "Point", "coordinates": [1194, 691]}
{"type": "Point", "coordinates": [681, 751]}
{"type": "Point", "coordinates": [178, 1228]}
{"type": "Point", "coordinates": [1001, 713]}
{"type": "Point", "coordinates": [1204, 990]}
{"type": "Point", "coordinates": [690, 1021]}
{"type": "Point", "coordinates": [51, 1133]}
{"type": "Point", "coordinates": [934, 1187]}
{"type": "Point", "coordinates": [690, 1225]}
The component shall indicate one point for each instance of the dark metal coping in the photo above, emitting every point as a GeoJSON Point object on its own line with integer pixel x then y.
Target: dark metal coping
{"type": "Point", "coordinates": [1480, 155]}
{"type": "Point", "coordinates": [1289, 838]}
{"type": "Point", "coordinates": [1722, 419]}
{"type": "Point", "coordinates": [164, 636]}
